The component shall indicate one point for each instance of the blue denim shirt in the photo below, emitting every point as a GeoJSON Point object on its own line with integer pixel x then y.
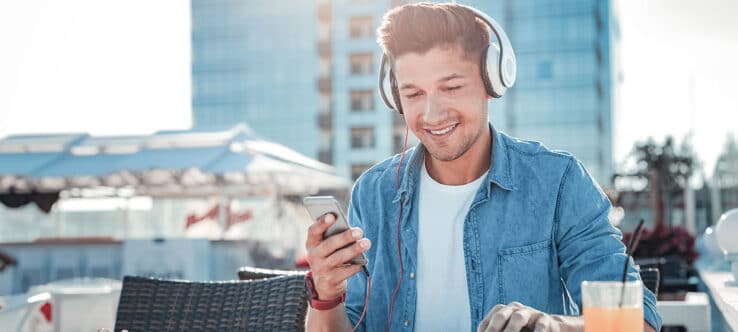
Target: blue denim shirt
{"type": "Point", "coordinates": [537, 227]}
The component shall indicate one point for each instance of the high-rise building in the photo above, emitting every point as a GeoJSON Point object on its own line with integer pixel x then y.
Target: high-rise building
{"type": "Point", "coordinates": [566, 92]}
{"type": "Point", "coordinates": [257, 62]}
{"type": "Point", "coordinates": [565, 95]}
{"type": "Point", "coordinates": [365, 132]}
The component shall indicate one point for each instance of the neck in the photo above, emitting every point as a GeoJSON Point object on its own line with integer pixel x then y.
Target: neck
{"type": "Point", "coordinates": [467, 168]}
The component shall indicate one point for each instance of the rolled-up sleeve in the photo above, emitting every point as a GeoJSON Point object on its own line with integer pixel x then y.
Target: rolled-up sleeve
{"type": "Point", "coordinates": [589, 247]}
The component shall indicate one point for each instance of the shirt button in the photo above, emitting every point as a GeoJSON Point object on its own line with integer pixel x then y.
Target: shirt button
{"type": "Point", "coordinates": [412, 275]}
{"type": "Point", "coordinates": [407, 323]}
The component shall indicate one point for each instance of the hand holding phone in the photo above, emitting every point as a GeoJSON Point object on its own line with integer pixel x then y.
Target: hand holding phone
{"type": "Point", "coordinates": [335, 250]}
{"type": "Point", "coordinates": [319, 206]}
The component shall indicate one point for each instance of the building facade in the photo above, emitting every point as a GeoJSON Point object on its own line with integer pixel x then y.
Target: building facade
{"type": "Point", "coordinates": [565, 95]}
{"type": "Point", "coordinates": [567, 86]}
{"type": "Point", "coordinates": [256, 62]}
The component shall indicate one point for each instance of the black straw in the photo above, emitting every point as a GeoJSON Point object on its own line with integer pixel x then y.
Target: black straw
{"type": "Point", "coordinates": [631, 249]}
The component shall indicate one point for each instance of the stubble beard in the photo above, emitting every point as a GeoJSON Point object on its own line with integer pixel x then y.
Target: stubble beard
{"type": "Point", "coordinates": [441, 153]}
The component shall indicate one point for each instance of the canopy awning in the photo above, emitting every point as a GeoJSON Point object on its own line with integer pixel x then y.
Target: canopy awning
{"type": "Point", "coordinates": [168, 163]}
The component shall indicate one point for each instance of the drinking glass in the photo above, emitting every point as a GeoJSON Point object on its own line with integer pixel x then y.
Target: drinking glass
{"type": "Point", "coordinates": [612, 306]}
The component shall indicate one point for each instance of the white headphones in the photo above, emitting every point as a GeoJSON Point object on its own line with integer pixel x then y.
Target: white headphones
{"type": "Point", "coordinates": [498, 66]}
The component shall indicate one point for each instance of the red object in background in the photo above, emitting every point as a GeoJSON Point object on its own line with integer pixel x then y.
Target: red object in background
{"type": "Point", "coordinates": [231, 218]}
{"type": "Point", "coordinates": [194, 219]}
{"type": "Point", "coordinates": [235, 218]}
{"type": "Point", "coordinates": [45, 309]}
{"type": "Point", "coordinates": [302, 261]}
{"type": "Point", "coordinates": [665, 241]}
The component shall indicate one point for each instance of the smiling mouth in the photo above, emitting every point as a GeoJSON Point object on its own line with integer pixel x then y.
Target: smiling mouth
{"type": "Point", "coordinates": [442, 132]}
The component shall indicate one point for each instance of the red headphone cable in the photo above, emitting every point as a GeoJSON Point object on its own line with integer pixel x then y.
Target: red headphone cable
{"type": "Point", "coordinates": [399, 218]}
{"type": "Point", "coordinates": [366, 300]}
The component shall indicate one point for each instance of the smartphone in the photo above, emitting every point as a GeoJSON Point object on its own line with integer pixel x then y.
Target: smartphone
{"type": "Point", "coordinates": [317, 206]}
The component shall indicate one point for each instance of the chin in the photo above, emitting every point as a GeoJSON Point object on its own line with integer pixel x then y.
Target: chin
{"type": "Point", "coordinates": [450, 150]}
{"type": "Point", "coordinates": [444, 155]}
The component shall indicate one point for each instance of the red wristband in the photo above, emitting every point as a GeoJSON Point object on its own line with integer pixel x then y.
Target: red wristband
{"type": "Point", "coordinates": [317, 304]}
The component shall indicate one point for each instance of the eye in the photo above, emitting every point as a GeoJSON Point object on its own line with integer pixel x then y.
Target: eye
{"type": "Point", "coordinates": [411, 96]}
{"type": "Point", "coordinates": [451, 88]}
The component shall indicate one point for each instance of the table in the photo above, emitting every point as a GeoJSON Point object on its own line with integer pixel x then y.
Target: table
{"type": "Point", "coordinates": [693, 312]}
{"type": "Point", "coordinates": [724, 291]}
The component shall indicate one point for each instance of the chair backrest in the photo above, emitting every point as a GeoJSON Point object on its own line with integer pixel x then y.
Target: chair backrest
{"type": "Point", "coordinates": [651, 279]}
{"type": "Point", "coordinates": [254, 273]}
{"type": "Point", "coordinates": [273, 304]}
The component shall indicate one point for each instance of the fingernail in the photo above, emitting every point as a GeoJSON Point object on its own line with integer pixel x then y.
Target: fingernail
{"type": "Point", "coordinates": [328, 218]}
{"type": "Point", "coordinates": [356, 233]}
{"type": "Point", "coordinates": [364, 243]}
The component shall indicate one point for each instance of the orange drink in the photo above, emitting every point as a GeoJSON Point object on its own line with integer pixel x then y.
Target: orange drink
{"type": "Point", "coordinates": [613, 319]}
{"type": "Point", "coordinates": [611, 306]}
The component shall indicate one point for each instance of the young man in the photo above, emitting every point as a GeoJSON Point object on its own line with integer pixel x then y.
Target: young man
{"type": "Point", "coordinates": [495, 233]}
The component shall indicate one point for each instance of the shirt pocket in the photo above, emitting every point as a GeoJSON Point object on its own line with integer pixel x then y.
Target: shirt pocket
{"type": "Point", "coordinates": [524, 274]}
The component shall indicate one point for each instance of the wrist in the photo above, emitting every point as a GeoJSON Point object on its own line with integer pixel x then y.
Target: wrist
{"type": "Point", "coordinates": [316, 301]}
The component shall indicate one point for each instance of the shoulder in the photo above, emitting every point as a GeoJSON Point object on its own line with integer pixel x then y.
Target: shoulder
{"type": "Point", "coordinates": [529, 157]}
{"type": "Point", "coordinates": [522, 148]}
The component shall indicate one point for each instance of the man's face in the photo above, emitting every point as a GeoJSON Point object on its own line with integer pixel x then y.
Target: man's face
{"type": "Point", "coordinates": [444, 100]}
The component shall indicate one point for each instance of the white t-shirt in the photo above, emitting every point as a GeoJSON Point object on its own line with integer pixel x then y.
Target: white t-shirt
{"type": "Point", "coordinates": [442, 299]}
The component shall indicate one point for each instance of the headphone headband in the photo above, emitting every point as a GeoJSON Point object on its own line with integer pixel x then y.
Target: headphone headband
{"type": "Point", "coordinates": [498, 65]}
{"type": "Point", "coordinates": [507, 63]}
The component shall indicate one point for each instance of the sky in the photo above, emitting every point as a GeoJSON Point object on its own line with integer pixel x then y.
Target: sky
{"type": "Point", "coordinates": [679, 74]}
{"type": "Point", "coordinates": [105, 67]}
{"type": "Point", "coordinates": [122, 68]}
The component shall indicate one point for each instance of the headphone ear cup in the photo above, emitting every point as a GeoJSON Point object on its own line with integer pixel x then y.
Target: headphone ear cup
{"type": "Point", "coordinates": [491, 63]}
{"type": "Point", "coordinates": [395, 92]}
{"type": "Point", "coordinates": [386, 85]}
{"type": "Point", "coordinates": [485, 74]}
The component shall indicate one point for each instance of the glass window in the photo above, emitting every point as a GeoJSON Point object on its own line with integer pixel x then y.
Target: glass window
{"type": "Point", "coordinates": [324, 30]}
{"type": "Point", "coordinates": [362, 100]}
{"type": "Point", "coordinates": [545, 70]}
{"type": "Point", "coordinates": [324, 103]}
{"type": "Point", "coordinates": [360, 27]}
{"type": "Point", "coordinates": [362, 137]}
{"type": "Point", "coordinates": [324, 67]}
{"type": "Point", "coordinates": [325, 139]}
{"type": "Point", "coordinates": [358, 169]}
{"type": "Point", "coordinates": [361, 63]}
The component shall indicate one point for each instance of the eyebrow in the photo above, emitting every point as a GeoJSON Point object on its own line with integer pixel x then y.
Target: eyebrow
{"type": "Point", "coordinates": [441, 80]}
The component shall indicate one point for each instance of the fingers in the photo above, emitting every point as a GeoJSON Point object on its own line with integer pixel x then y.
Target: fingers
{"type": "Point", "coordinates": [335, 242]}
{"type": "Point", "coordinates": [345, 272]}
{"type": "Point", "coordinates": [513, 317]}
{"type": "Point", "coordinates": [485, 322]}
{"type": "Point", "coordinates": [518, 320]}
{"type": "Point", "coordinates": [499, 319]}
{"type": "Point", "coordinates": [545, 324]}
{"type": "Point", "coordinates": [344, 255]}
{"type": "Point", "coordinates": [316, 230]}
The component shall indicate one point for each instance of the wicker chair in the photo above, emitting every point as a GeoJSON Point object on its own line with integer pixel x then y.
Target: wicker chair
{"type": "Point", "coordinates": [255, 273]}
{"type": "Point", "coordinates": [273, 304]}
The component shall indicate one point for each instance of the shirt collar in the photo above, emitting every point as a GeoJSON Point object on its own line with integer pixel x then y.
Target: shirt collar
{"type": "Point", "coordinates": [500, 173]}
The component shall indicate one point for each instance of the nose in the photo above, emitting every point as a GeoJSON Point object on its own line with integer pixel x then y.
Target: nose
{"type": "Point", "coordinates": [434, 112]}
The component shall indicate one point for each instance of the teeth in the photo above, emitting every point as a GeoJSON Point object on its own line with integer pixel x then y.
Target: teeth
{"type": "Point", "coordinates": [442, 131]}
